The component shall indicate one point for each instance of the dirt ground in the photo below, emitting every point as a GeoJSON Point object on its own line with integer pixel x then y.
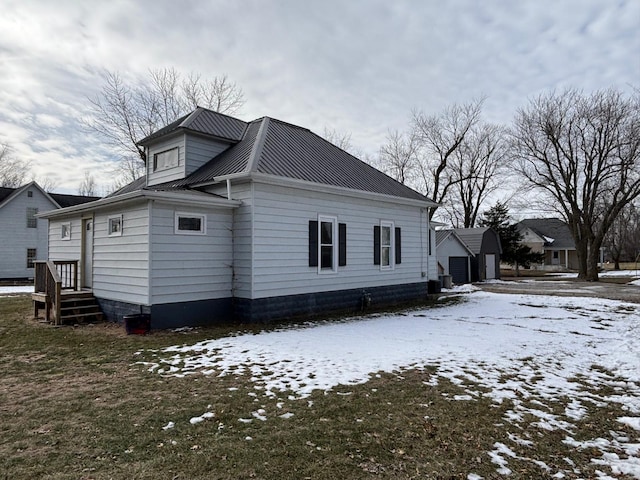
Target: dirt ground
{"type": "Point", "coordinates": [611, 288]}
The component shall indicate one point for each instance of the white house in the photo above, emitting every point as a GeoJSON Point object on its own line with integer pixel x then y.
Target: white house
{"type": "Point", "coordinates": [250, 222]}
{"type": "Point", "coordinates": [23, 236]}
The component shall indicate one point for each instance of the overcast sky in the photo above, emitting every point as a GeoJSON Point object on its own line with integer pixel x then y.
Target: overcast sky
{"type": "Point", "coordinates": [356, 66]}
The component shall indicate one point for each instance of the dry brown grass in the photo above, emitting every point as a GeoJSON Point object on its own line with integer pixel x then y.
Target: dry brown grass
{"type": "Point", "coordinates": [74, 404]}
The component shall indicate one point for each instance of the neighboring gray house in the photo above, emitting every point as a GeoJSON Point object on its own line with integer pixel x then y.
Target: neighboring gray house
{"type": "Point", "coordinates": [23, 236]}
{"type": "Point", "coordinates": [552, 237]}
{"type": "Point", "coordinates": [251, 222]}
{"type": "Point", "coordinates": [454, 256]}
{"type": "Point", "coordinates": [484, 242]}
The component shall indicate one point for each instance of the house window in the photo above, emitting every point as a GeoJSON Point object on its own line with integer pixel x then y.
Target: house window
{"type": "Point", "coordinates": [386, 245]}
{"type": "Point", "coordinates": [166, 159]}
{"type": "Point", "coordinates": [190, 224]}
{"type": "Point", "coordinates": [387, 241]}
{"type": "Point", "coordinates": [29, 194]}
{"type": "Point", "coordinates": [32, 221]}
{"type": "Point", "coordinates": [65, 231]}
{"type": "Point", "coordinates": [31, 257]}
{"type": "Point", "coordinates": [115, 226]}
{"type": "Point", "coordinates": [327, 244]}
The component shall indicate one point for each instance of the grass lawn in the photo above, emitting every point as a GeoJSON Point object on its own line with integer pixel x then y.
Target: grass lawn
{"type": "Point", "coordinates": [74, 404]}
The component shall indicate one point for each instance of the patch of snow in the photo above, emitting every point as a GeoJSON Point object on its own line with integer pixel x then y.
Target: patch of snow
{"type": "Point", "coordinates": [201, 418]}
{"type": "Point", "coordinates": [16, 289]}
{"type": "Point", "coordinates": [633, 422]}
{"type": "Point", "coordinates": [515, 347]}
{"type": "Point", "coordinates": [168, 426]}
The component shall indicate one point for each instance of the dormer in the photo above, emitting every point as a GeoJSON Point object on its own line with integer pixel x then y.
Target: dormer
{"type": "Point", "coordinates": [179, 149]}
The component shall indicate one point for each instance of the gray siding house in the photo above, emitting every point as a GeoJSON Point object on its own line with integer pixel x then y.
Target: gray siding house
{"type": "Point", "coordinates": [248, 222]}
{"type": "Point", "coordinates": [23, 236]}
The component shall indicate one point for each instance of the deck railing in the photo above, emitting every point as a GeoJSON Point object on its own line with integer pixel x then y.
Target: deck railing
{"type": "Point", "coordinates": [50, 278]}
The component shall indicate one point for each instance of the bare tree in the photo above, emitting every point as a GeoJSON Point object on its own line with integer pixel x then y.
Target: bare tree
{"type": "Point", "coordinates": [47, 184]}
{"type": "Point", "coordinates": [474, 168]}
{"type": "Point", "coordinates": [623, 238]}
{"type": "Point", "coordinates": [583, 152]}
{"type": "Point", "coordinates": [440, 136]}
{"type": "Point", "coordinates": [87, 187]}
{"type": "Point", "coordinates": [123, 114]}
{"type": "Point", "coordinates": [399, 156]}
{"type": "Point", "coordinates": [13, 171]}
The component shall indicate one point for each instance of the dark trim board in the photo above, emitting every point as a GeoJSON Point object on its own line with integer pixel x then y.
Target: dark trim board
{"type": "Point", "coordinates": [173, 315]}
{"type": "Point", "coordinates": [265, 310]}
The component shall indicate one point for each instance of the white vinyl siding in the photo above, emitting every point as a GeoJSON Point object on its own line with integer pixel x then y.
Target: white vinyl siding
{"type": "Point", "coordinates": [166, 174]}
{"type": "Point", "coordinates": [65, 248]}
{"type": "Point", "coordinates": [280, 242]}
{"type": "Point", "coordinates": [121, 262]}
{"type": "Point", "coordinates": [16, 237]}
{"type": "Point", "coordinates": [190, 267]}
{"type": "Point", "coordinates": [199, 151]}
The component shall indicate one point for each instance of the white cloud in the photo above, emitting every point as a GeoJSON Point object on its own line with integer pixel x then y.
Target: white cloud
{"type": "Point", "coordinates": [357, 66]}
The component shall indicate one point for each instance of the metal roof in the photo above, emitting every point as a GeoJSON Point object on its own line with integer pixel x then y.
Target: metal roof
{"type": "Point", "coordinates": [273, 147]}
{"type": "Point", "coordinates": [551, 228]}
{"type": "Point", "coordinates": [472, 237]}
{"type": "Point", "coordinates": [206, 122]}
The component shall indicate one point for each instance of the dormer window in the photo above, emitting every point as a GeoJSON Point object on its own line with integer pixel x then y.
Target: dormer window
{"type": "Point", "coordinates": [165, 160]}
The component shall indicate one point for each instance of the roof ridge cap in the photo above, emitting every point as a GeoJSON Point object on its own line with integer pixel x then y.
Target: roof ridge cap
{"type": "Point", "coordinates": [256, 150]}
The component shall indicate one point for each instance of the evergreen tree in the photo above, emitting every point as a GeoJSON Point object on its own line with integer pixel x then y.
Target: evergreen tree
{"type": "Point", "coordinates": [513, 251]}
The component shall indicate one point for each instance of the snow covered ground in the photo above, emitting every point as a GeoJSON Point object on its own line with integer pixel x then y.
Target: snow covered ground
{"type": "Point", "coordinates": [15, 290]}
{"type": "Point", "coordinates": [540, 343]}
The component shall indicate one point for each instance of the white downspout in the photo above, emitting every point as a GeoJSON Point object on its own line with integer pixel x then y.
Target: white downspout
{"type": "Point", "coordinates": [228, 189]}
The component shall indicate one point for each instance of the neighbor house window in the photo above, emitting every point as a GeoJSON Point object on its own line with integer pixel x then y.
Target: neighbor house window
{"type": "Point", "coordinates": [65, 231]}
{"type": "Point", "coordinates": [29, 193]}
{"type": "Point", "coordinates": [115, 226]}
{"type": "Point", "coordinates": [166, 159]}
{"type": "Point", "coordinates": [191, 224]}
{"type": "Point", "coordinates": [32, 221]}
{"type": "Point", "coordinates": [31, 257]}
{"type": "Point", "coordinates": [327, 244]}
{"type": "Point", "coordinates": [387, 241]}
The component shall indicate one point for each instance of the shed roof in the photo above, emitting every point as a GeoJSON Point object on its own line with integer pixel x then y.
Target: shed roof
{"type": "Point", "coordinates": [472, 237]}
{"type": "Point", "coordinates": [555, 233]}
{"type": "Point", "coordinates": [442, 235]}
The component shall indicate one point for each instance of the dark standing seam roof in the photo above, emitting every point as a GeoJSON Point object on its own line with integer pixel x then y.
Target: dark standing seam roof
{"type": "Point", "coordinates": [206, 122]}
{"type": "Point", "coordinates": [277, 148]}
{"type": "Point", "coordinates": [551, 228]}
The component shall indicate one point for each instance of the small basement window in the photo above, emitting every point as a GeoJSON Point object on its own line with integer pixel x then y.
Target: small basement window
{"type": "Point", "coordinates": [65, 231]}
{"type": "Point", "coordinates": [115, 226]}
{"type": "Point", "coordinates": [165, 160]}
{"type": "Point", "coordinates": [191, 224]}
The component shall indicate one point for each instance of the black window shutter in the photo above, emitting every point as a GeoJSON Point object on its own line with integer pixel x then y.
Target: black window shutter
{"type": "Point", "coordinates": [313, 243]}
{"type": "Point", "coordinates": [376, 244]}
{"type": "Point", "coordinates": [398, 246]}
{"type": "Point", "coordinates": [342, 244]}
